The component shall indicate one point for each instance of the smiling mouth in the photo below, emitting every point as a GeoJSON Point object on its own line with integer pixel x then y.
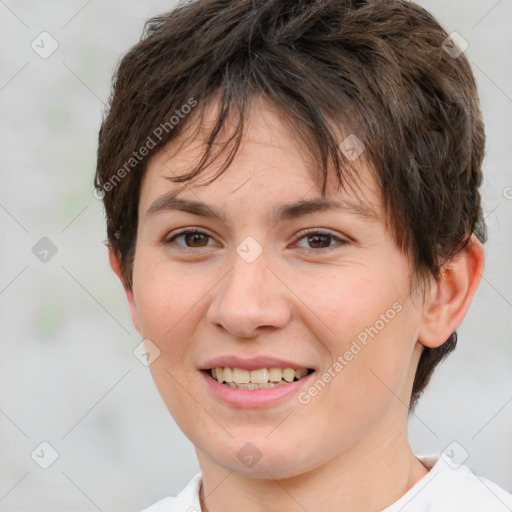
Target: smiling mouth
{"type": "Point", "coordinates": [257, 379]}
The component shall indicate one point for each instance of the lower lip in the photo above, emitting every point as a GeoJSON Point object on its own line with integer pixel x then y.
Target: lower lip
{"type": "Point", "coordinates": [263, 397]}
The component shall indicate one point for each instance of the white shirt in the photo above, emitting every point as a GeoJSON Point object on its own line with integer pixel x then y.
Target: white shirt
{"type": "Point", "coordinates": [446, 488]}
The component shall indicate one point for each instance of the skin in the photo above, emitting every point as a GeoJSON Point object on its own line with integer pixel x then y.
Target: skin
{"type": "Point", "coordinates": [347, 449]}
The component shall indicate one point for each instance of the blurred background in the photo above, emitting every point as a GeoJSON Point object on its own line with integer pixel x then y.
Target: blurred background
{"type": "Point", "coordinates": [82, 426]}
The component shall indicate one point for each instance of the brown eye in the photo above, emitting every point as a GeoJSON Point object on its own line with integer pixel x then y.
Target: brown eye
{"type": "Point", "coordinates": [195, 239]}
{"type": "Point", "coordinates": [320, 241]}
{"type": "Point", "coordinates": [192, 237]}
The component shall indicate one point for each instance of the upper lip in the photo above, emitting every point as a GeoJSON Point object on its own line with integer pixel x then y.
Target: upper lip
{"type": "Point", "coordinates": [250, 363]}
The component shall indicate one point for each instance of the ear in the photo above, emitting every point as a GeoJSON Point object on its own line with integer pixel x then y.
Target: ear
{"type": "Point", "coordinates": [115, 263]}
{"type": "Point", "coordinates": [448, 301]}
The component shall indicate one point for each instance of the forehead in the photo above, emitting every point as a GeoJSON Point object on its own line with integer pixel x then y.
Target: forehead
{"type": "Point", "coordinates": [271, 159]}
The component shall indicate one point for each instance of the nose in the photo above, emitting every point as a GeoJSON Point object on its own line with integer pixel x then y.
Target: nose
{"type": "Point", "coordinates": [251, 298]}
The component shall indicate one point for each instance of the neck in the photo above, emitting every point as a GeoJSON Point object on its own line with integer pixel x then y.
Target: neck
{"type": "Point", "coordinates": [348, 481]}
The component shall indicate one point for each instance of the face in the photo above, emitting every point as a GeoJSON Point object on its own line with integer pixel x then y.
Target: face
{"type": "Point", "coordinates": [260, 285]}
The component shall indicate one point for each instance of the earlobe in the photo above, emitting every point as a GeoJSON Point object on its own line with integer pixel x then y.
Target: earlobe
{"type": "Point", "coordinates": [116, 265]}
{"type": "Point", "coordinates": [450, 298]}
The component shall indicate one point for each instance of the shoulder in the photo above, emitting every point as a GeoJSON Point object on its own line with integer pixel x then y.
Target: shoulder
{"type": "Point", "coordinates": [186, 501]}
{"type": "Point", "coordinates": [450, 487]}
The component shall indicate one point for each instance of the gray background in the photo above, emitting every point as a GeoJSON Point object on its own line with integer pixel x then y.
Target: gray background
{"type": "Point", "coordinates": [68, 373]}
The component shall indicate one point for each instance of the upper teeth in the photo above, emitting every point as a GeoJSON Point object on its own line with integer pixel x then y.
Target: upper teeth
{"type": "Point", "coordinates": [260, 376]}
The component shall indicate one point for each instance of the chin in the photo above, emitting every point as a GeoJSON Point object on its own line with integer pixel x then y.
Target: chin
{"type": "Point", "coordinates": [257, 457]}
{"type": "Point", "coordinates": [264, 468]}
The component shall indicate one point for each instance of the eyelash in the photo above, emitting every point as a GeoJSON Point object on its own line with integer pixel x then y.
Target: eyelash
{"type": "Point", "coordinates": [303, 234]}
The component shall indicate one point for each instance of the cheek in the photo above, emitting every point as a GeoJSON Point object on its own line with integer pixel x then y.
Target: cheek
{"type": "Point", "coordinates": [346, 303]}
{"type": "Point", "coordinates": [368, 333]}
{"type": "Point", "coordinates": [163, 300]}
{"type": "Point", "coordinates": [376, 376]}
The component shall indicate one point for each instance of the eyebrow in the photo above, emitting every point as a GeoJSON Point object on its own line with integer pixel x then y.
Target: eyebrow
{"type": "Point", "coordinates": [283, 212]}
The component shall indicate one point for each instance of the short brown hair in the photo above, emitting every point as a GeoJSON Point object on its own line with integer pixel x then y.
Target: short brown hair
{"type": "Point", "coordinates": [378, 69]}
